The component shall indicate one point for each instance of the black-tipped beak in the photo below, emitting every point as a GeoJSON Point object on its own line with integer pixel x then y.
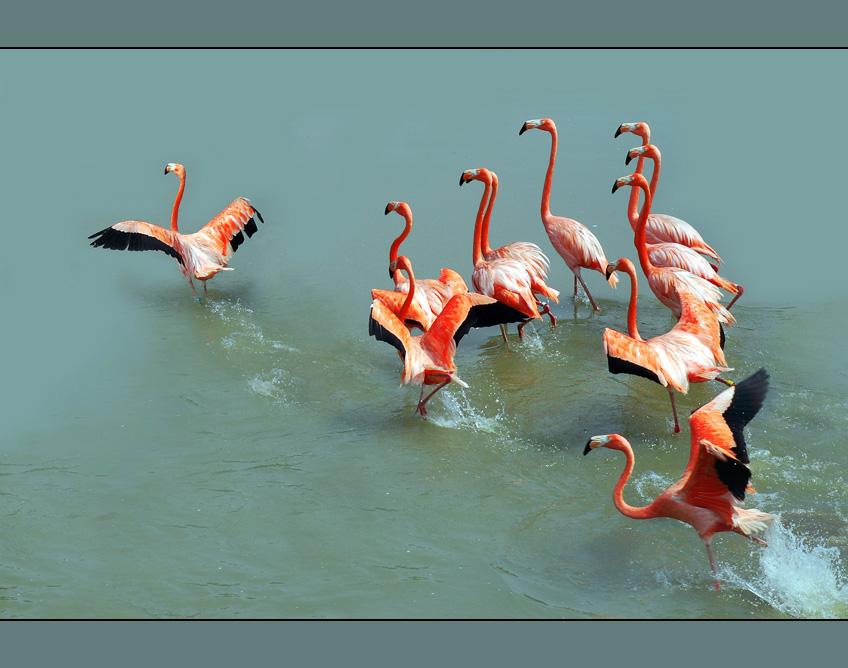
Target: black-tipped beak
{"type": "Point", "coordinates": [166, 169]}
{"type": "Point", "coordinates": [522, 130]}
{"type": "Point", "coordinates": [608, 271]}
{"type": "Point", "coordinates": [461, 179]}
{"type": "Point", "coordinates": [627, 159]}
{"type": "Point", "coordinates": [619, 131]}
{"type": "Point", "coordinates": [588, 448]}
{"type": "Point", "coordinates": [386, 212]}
{"type": "Point", "coordinates": [615, 186]}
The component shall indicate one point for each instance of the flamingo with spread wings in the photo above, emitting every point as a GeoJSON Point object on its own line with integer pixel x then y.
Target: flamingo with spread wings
{"type": "Point", "coordinates": [689, 353]}
{"type": "Point", "coordinates": [201, 254]}
{"type": "Point", "coordinates": [428, 359]}
{"type": "Point", "coordinates": [660, 227]}
{"type": "Point", "coordinates": [576, 245]}
{"type": "Point", "coordinates": [717, 476]}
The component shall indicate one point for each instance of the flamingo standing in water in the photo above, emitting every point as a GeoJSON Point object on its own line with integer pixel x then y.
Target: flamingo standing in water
{"type": "Point", "coordinates": [572, 240]}
{"type": "Point", "coordinates": [662, 228]}
{"type": "Point", "coordinates": [671, 254]}
{"type": "Point", "coordinates": [667, 283]}
{"type": "Point", "coordinates": [717, 476]}
{"type": "Point", "coordinates": [510, 279]}
{"type": "Point", "coordinates": [431, 295]}
{"type": "Point", "coordinates": [428, 359]}
{"type": "Point", "coordinates": [689, 353]}
{"type": "Point", "coordinates": [202, 254]}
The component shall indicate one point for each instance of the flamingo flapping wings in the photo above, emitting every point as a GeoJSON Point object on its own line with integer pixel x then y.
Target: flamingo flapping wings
{"type": "Point", "coordinates": [428, 359]}
{"type": "Point", "coordinates": [201, 254]}
{"type": "Point", "coordinates": [689, 353]}
{"type": "Point", "coordinates": [513, 274]}
{"type": "Point", "coordinates": [431, 295]}
{"type": "Point", "coordinates": [576, 245]}
{"type": "Point", "coordinates": [660, 227]}
{"type": "Point", "coordinates": [669, 283]}
{"type": "Point", "coordinates": [672, 254]}
{"type": "Point", "coordinates": [717, 476]}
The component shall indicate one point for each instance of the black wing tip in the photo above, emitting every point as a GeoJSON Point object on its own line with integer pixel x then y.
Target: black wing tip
{"type": "Point", "coordinates": [113, 239]}
{"type": "Point", "coordinates": [261, 219]}
{"type": "Point", "coordinates": [618, 365]}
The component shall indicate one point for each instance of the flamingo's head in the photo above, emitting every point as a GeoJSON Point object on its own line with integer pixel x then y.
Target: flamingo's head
{"type": "Point", "coordinates": [635, 180]}
{"type": "Point", "coordinates": [401, 263]}
{"type": "Point", "coordinates": [540, 123]}
{"type": "Point", "coordinates": [640, 129]}
{"type": "Point", "coordinates": [647, 151]}
{"type": "Point", "coordinates": [480, 174]}
{"type": "Point", "coordinates": [177, 168]}
{"type": "Point", "coordinates": [597, 442]}
{"type": "Point", "coordinates": [391, 206]}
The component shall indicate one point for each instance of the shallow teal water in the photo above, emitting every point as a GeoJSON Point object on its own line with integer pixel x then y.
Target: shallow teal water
{"type": "Point", "coordinates": [254, 457]}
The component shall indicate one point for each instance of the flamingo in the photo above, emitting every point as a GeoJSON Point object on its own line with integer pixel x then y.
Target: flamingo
{"type": "Point", "coordinates": [516, 271]}
{"type": "Point", "coordinates": [668, 282]}
{"type": "Point", "coordinates": [431, 295]}
{"type": "Point", "coordinates": [717, 476]}
{"type": "Point", "coordinates": [428, 359]}
{"type": "Point", "coordinates": [662, 227]}
{"type": "Point", "coordinates": [672, 254]}
{"type": "Point", "coordinates": [572, 240]}
{"type": "Point", "coordinates": [202, 254]}
{"type": "Point", "coordinates": [689, 353]}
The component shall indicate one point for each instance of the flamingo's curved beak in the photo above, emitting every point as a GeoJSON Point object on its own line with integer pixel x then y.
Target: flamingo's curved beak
{"type": "Point", "coordinates": [523, 129]}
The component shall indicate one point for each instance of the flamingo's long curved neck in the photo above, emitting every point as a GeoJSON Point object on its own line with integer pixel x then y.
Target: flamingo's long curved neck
{"type": "Point", "coordinates": [549, 177]}
{"type": "Point", "coordinates": [477, 254]}
{"type": "Point", "coordinates": [175, 211]}
{"type": "Point", "coordinates": [636, 512]}
{"type": "Point", "coordinates": [404, 266]}
{"type": "Point", "coordinates": [485, 248]}
{"type": "Point", "coordinates": [632, 329]}
{"type": "Point", "coordinates": [633, 202]}
{"type": "Point", "coordinates": [641, 246]}
{"type": "Point", "coordinates": [407, 215]}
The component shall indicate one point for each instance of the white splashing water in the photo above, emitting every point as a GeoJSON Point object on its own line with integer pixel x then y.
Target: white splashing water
{"type": "Point", "coordinates": [275, 384]}
{"type": "Point", "coordinates": [797, 578]}
{"type": "Point", "coordinates": [455, 411]}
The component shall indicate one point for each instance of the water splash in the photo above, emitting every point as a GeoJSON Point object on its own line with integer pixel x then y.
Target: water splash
{"type": "Point", "coordinates": [275, 384]}
{"type": "Point", "coordinates": [797, 577]}
{"type": "Point", "coordinates": [457, 412]}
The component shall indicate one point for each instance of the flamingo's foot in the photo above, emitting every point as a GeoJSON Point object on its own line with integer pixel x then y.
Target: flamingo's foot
{"type": "Point", "coordinates": [729, 383]}
{"type": "Point", "coordinates": [716, 584]}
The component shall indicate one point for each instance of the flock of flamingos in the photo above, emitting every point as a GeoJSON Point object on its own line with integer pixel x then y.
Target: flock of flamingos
{"type": "Point", "coordinates": [509, 284]}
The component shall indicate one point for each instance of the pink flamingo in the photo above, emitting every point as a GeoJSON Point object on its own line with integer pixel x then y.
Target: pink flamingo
{"type": "Point", "coordinates": [717, 476]}
{"type": "Point", "coordinates": [662, 228]}
{"type": "Point", "coordinates": [428, 359]}
{"type": "Point", "coordinates": [689, 353]}
{"type": "Point", "coordinates": [431, 295]}
{"type": "Point", "coordinates": [668, 282]}
{"type": "Point", "coordinates": [572, 240]}
{"type": "Point", "coordinates": [671, 254]}
{"type": "Point", "coordinates": [505, 277]}
{"type": "Point", "coordinates": [202, 254]}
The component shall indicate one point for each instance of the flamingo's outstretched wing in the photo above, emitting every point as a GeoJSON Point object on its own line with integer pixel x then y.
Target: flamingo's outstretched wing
{"type": "Point", "coordinates": [228, 228]}
{"type": "Point", "coordinates": [136, 235]}
{"type": "Point", "coordinates": [465, 311]}
{"type": "Point", "coordinates": [718, 459]}
{"type": "Point", "coordinates": [386, 326]}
